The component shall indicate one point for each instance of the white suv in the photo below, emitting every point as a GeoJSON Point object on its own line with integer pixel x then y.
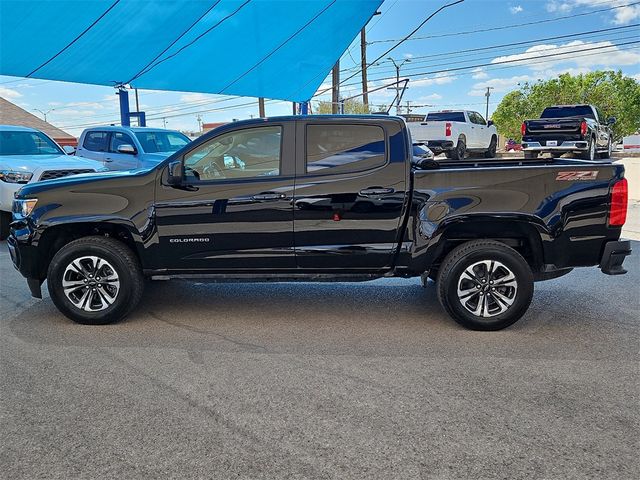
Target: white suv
{"type": "Point", "coordinates": [28, 155]}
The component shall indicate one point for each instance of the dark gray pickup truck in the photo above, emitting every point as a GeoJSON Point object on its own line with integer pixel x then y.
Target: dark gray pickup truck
{"type": "Point", "coordinates": [320, 198]}
{"type": "Point", "coordinates": [561, 129]}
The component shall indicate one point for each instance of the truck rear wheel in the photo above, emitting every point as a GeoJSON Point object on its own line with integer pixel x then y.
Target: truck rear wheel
{"type": "Point", "coordinates": [459, 151]}
{"type": "Point", "coordinates": [591, 152]}
{"type": "Point", "coordinates": [95, 280]}
{"type": "Point", "coordinates": [485, 285]}
{"type": "Point", "coordinates": [493, 145]}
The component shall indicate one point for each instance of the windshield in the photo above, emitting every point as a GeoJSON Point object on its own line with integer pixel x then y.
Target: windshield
{"type": "Point", "coordinates": [27, 143]}
{"type": "Point", "coordinates": [562, 112]}
{"type": "Point", "coordinates": [445, 117]}
{"type": "Point", "coordinates": [161, 141]}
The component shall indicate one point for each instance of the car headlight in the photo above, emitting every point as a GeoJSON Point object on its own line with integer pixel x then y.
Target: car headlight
{"type": "Point", "coordinates": [24, 207]}
{"type": "Point", "coordinates": [10, 176]}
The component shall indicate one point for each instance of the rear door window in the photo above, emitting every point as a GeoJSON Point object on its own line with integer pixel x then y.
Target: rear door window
{"type": "Point", "coordinates": [96, 141]}
{"type": "Point", "coordinates": [332, 149]}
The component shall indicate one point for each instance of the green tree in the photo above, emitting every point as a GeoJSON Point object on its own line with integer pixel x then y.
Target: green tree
{"type": "Point", "coordinates": [351, 106]}
{"type": "Point", "coordinates": [613, 93]}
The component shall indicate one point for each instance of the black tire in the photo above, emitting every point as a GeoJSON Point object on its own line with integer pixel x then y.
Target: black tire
{"type": "Point", "coordinates": [117, 257]}
{"type": "Point", "coordinates": [530, 155]}
{"type": "Point", "coordinates": [458, 152]}
{"type": "Point", "coordinates": [504, 259]}
{"type": "Point", "coordinates": [5, 220]}
{"type": "Point", "coordinates": [591, 153]}
{"type": "Point", "coordinates": [493, 145]}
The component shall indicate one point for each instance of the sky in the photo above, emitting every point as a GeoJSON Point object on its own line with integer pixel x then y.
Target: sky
{"type": "Point", "coordinates": [443, 73]}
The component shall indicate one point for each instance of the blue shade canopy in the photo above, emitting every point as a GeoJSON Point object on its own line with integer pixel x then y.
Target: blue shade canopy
{"type": "Point", "coordinates": [281, 49]}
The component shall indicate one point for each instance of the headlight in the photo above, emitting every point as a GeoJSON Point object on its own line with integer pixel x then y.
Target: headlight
{"type": "Point", "coordinates": [10, 176]}
{"type": "Point", "coordinates": [24, 207]}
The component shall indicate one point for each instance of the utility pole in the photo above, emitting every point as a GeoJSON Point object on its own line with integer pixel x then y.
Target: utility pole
{"type": "Point", "coordinates": [137, 104]}
{"type": "Point", "coordinates": [488, 94]}
{"type": "Point", "coordinates": [335, 89]}
{"type": "Point", "coordinates": [261, 107]}
{"type": "Point", "coordinates": [363, 65]}
{"type": "Point", "coordinates": [164, 122]}
{"type": "Point", "coordinates": [44, 114]}
{"type": "Point", "coordinates": [408, 106]}
{"type": "Point", "coordinates": [397, 88]}
{"type": "Point", "coordinates": [199, 119]}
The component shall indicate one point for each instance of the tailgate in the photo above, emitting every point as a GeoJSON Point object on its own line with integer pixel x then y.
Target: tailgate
{"type": "Point", "coordinates": [552, 125]}
{"type": "Point", "coordinates": [425, 131]}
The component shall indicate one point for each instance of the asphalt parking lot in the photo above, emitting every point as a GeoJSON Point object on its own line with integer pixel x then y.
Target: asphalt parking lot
{"type": "Point", "coordinates": [323, 381]}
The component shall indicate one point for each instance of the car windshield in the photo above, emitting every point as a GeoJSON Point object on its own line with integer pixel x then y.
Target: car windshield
{"type": "Point", "coordinates": [445, 117]}
{"type": "Point", "coordinates": [161, 141]}
{"type": "Point", "coordinates": [562, 112]}
{"type": "Point", "coordinates": [27, 143]}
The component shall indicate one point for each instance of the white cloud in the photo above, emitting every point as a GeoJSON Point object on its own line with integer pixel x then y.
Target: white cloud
{"type": "Point", "coordinates": [636, 76]}
{"type": "Point", "coordinates": [498, 85]}
{"type": "Point", "coordinates": [597, 53]}
{"type": "Point", "coordinates": [9, 93]}
{"type": "Point", "coordinates": [626, 13]}
{"type": "Point", "coordinates": [515, 10]}
{"type": "Point", "coordinates": [196, 97]}
{"type": "Point", "coordinates": [427, 98]}
{"type": "Point", "coordinates": [408, 55]}
{"type": "Point", "coordinates": [439, 79]}
{"type": "Point", "coordinates": [479, 74]}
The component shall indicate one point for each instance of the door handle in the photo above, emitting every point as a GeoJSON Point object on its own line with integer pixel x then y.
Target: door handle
{"type": "Point", "coordinates": [268, 196]}
{"type": "Point", "coordinates": [376, 191]}
{"type": "Point", "coordinates": [108, 160]}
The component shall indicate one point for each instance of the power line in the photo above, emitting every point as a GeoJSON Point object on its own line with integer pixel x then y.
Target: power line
{"type": "Point", "coordinates": [521, 63]}
{"type": "Point", "coordinates": [504, 27]}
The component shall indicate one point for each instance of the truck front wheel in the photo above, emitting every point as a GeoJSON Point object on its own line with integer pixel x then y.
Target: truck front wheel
{"type": "Point", "coordinates": [485, 285]}
{"type": "Point", "coordinates": [95, 280]}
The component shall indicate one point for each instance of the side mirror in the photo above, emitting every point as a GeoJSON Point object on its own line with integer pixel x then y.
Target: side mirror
{"type": "Point", "coordinates": [175, 173]}
{"type": "Point", "coordinates": [128, 149]}
{"type": "Point", "coordinates": [69, 150]}
{"type": "Point", "coordinates": [489, 123]}
{"type": "Point", "coordinates": [611, 120]}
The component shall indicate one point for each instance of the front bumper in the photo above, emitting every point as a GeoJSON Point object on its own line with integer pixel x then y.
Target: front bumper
{"type": "Point", "coordinates": [25, 256]}
{"type": "Point", "coordinates": [613, 256]}
{"type": "Point", "coordinates": [568, 146]}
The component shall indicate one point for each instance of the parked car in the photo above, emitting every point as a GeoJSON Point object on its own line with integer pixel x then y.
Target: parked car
{"type": "Point", "coordinates": [456, 133]}
{"type": "Point", "coordinates": [126, 148]}
{"type": "Point", "coordinates": [512, 146]}
{"type": "Point", "coordinates": [483, 230]}
{"type": "Point", "coordinates": [26, 156]}
{"type": "Point", "coordinates": [568, 128]}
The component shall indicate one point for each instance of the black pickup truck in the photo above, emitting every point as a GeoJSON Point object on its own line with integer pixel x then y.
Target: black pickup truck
{"type": "Point", "coordinates": [319, 198]}
{"type": "Point", "coordinates": [561, 129]}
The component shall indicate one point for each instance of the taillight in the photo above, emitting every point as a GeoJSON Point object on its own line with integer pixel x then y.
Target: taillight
{"type": "Point", "coordinates": [583, 128]}
{"type": "Point", "coordinates": [618, 206]}
{"type": "Point", "coordinates": [447, 129]}
{"type": "Point", "coordinates": [523, 129]}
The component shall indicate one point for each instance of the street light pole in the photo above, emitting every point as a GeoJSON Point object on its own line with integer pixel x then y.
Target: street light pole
{"type": "Point", "coordinates": [397, 87]}
{"type": "Point", "coordinates": [488, 94]}
{"type": "Point", "coordinates": [44, 114]}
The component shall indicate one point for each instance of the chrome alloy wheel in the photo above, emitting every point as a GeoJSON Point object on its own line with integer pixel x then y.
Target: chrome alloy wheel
{"type": "Point", "coordinates": [91, 283]}
{"type": "Point", "coordinates": [487, 288]}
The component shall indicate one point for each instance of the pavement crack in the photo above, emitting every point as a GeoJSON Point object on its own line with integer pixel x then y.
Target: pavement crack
{"type": "Point", "coordinates": [207, 332]}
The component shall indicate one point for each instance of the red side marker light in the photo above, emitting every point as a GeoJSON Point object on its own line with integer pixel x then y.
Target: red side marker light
{"type": "Point", "coordinates": [336, 217]}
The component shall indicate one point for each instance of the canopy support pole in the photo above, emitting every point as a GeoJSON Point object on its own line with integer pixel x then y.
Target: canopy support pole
{"type": "Point", "coordinates": [125, 117]}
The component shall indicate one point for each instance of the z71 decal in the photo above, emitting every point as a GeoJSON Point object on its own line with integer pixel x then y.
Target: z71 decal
{"type": "Point", "coordinates": [578, 175]}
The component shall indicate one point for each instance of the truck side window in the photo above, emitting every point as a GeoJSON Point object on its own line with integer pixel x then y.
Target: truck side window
{"type": "Point", "coordinates": [344, 148]}
{"type": "Point", "coordinates": [119, 138]}
{"type": "Point", "coordinates": [479, 119]}
{"type": "Point", "coordinates": [251, 152]}
{"type": "Point", "coordinates": [95, 141]}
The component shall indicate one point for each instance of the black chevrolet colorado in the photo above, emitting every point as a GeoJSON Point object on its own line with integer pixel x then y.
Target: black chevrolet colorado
{"type": "Point", "coordinates": [561, 129]}
{"type": "Point", "coordinates": [319, 198]}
